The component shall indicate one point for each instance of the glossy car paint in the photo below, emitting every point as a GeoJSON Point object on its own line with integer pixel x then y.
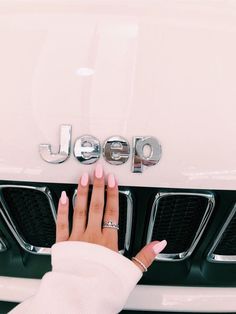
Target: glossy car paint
{"type": "Point", "coordinates": [128, 68]}
{"type": "Point", "coordinates": [158, 298]}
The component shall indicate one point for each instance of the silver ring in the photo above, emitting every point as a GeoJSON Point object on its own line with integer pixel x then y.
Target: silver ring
{"type": "Point", "coordinates": [140, 263]}
{"type": "Point", "coordinates": [110, 224]}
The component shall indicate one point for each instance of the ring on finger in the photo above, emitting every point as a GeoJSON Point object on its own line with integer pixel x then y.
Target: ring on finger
{"type": "Point", "coordinates": [140, 263]}
{"type": "Point", "coordinates": [110, 224]}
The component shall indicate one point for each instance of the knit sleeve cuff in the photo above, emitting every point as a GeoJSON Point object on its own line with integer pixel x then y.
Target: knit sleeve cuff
{"type": "Point", "coordinates": [73, 256]}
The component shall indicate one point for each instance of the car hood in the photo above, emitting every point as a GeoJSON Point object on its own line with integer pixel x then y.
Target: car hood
{"type": "Point", "coordinates": [128, 69]}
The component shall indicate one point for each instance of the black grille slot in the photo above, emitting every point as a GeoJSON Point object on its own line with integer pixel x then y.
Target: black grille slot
{"type": "Point", "coordinates": [122, 220]}
{"type": "Point", "coordinates": [178, 218]}
{"type": "Point", "coordinates": [31, 214]}
{"type": "Point", "coordinates": [227, 243]}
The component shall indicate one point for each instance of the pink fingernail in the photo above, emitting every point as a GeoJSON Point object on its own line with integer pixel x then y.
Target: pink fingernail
{"type": "Point", "coordinates": [111, 181]}
{"type": "Point", "coordinates": [99, 171]}
{"type": "Point", "coordinates": [157, 248]}
{"type": "Point", "coordinates": [84, 179]}
{"type": "Point", "coordinates": [63, 197]}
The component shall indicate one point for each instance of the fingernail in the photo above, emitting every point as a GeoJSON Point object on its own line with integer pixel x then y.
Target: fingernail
{"type": "Point", "coordinates": [63, 198]}
{"type": "Point", "coordinates": [157, 248]}
{"type": "Point", "coordinates": [111, 181]}
{"type": "Point", "coordinates": [98, 171]}
{"type": "Point", "coordinates": [84, 179]}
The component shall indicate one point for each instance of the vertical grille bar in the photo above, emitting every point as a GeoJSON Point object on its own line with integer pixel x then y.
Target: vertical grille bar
{"type": "Point", "coordinates": [3, 246]}
{"type": "Point", "coordinates": [29, 221]}
{"type": "Point", "coordinates": [224, 247]}
{"type": "Point", "coordinates": [180, 218]}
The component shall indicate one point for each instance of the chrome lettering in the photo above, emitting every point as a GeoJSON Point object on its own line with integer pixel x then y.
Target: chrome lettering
{"type": "Point", "coordinates": [146, 150]}
{"type": "Point", "coordinates": [45, 150]}
{"type": "Point", "coordinates": [116, 150]}
{"type": "Point", "coordinates": [87, 149]}
{"type": "Point", "coordinates": [140, 160]}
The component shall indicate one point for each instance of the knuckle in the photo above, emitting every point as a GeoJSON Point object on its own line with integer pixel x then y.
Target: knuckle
{"type": "Point", "coordinates": [110, 238]}
{"type": "Point", "coordinates": [79, 213]}
{"type": "Point", "coordinates": [97, 206]}
{"type": "Point", "coordinates": [62, 226]}
{"type": "Point", "coordinates": [93, 236]}
{"type": "Point", "coordinates": [74, 238]}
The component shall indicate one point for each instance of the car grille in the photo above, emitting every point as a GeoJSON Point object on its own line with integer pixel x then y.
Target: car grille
{"type": "Point", "coordinates": [192, 221]}
{"type": "Point", "coordinates": [180, 218]}
{"type": "Point", "coordinates": [227, 245]}
{"type": "Point", "coordinates": [30, 214]}
{"type": "Point", "coordinates": [224, 247]}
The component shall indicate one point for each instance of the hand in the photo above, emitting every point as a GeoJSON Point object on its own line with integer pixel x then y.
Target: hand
{"type": "Point", "coordinates": [91, 231]}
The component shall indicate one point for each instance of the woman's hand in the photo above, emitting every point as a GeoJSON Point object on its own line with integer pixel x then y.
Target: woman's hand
{"type": "Point", "coordinates": [92, 231]}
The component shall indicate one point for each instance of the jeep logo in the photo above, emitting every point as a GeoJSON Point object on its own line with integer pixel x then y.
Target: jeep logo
{"type": "Point", "coordinates": [146, 150]}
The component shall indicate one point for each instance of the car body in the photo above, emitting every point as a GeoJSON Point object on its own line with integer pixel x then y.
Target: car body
{"type": "Point", "coordinates": [144, 69]}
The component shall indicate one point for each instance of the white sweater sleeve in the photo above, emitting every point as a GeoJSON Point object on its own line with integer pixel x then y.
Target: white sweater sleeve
{"type": "Point", "coordinates": [86, 278]}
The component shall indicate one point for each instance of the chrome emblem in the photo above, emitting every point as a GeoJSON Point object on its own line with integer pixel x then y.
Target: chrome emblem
{"type": "Point", "coordinates": [115, 150]}
{"type": "Point", "coordinates": [87, 149]}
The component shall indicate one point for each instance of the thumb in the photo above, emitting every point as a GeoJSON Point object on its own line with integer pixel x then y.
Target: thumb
{"type": "Point", "coordinates": [148, 253]}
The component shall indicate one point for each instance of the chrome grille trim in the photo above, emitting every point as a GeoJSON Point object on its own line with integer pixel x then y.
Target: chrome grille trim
{"type": "Point", "coordinates": [173, 257]}
{"type": "Point", "coordinates": [129, 217]}
{"type": "Point", "coordinates": [3, 246]}
{"type": "Point", "coordinates": [6, 216]}
{"type": "Point", "coordinates": [217, 258]}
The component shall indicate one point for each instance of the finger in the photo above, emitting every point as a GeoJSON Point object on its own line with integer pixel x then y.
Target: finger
{"type": "Point", "coordinates": [112, 209]}
{"type": "Point", "coordinates": [97, 200]}
{"type": "Point", "coordinates": [80, 210]}
{"type": "Point", "coordinates": [149, 252]}
{"type": "Point", "coordinates": [62, 224]}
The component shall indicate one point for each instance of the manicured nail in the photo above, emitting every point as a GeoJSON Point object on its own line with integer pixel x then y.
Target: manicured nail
{"type": "Point", "coordinates": [84, 179]}
{"type": "Point", "coordinates": [111, 181]}
{"type": "Point", "coordinates": [98, 171]}
{"type": "Point", "coordinates": [63, 198]}
{"type": "Point", "coordinates": [157, 248]}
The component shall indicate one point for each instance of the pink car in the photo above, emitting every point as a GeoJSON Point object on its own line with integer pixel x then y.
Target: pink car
{"type": "Point", "coordinates": [148, 88]}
